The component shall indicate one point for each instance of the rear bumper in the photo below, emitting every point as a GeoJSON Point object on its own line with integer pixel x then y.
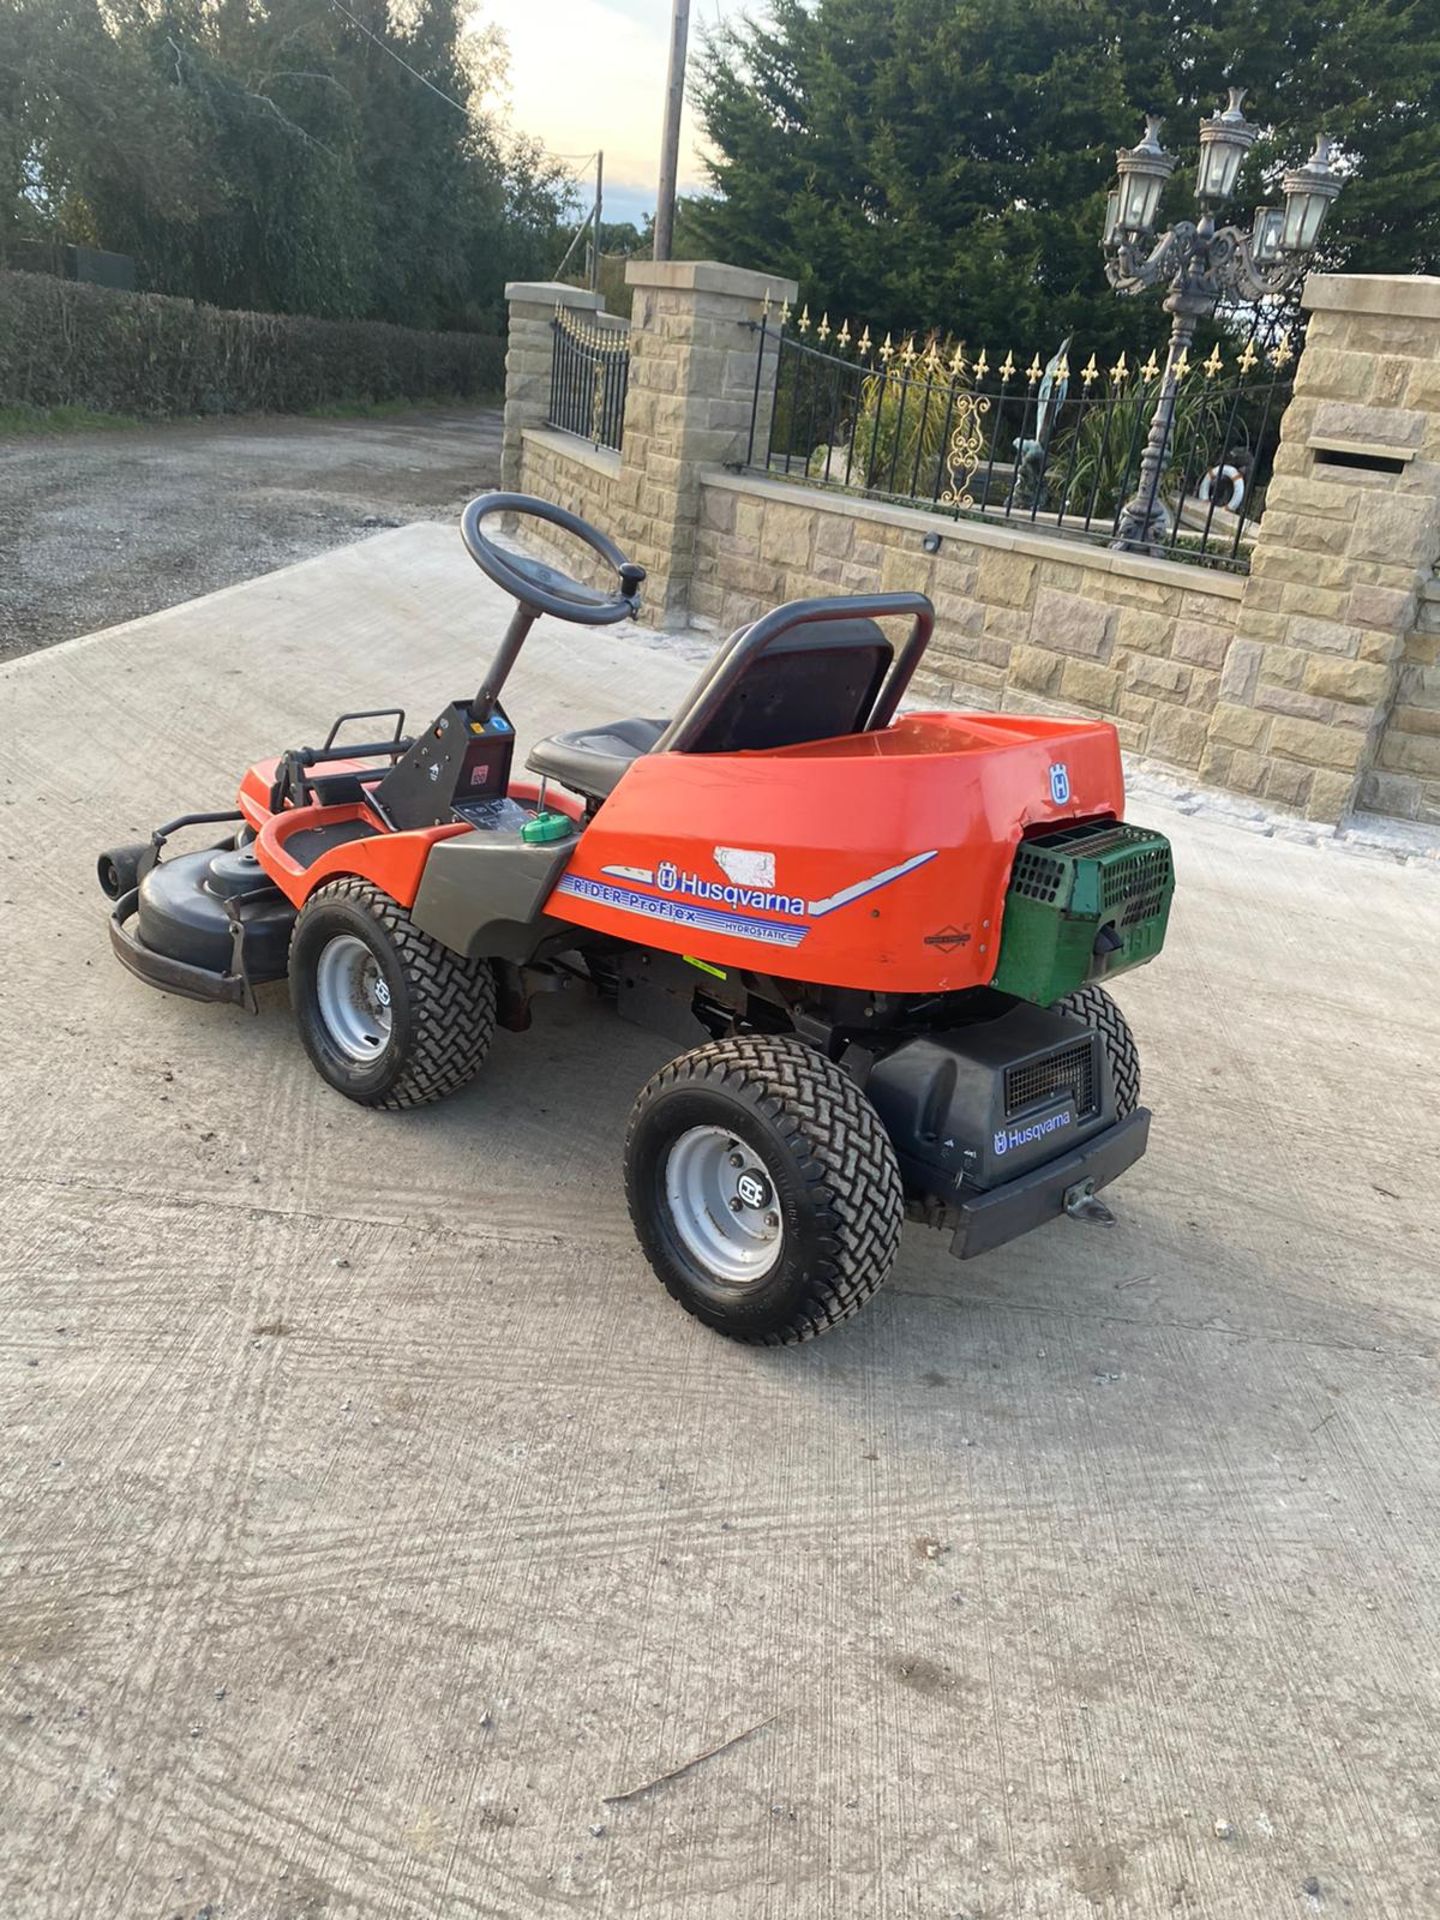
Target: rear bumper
{"type": "Point", "coordinates": [986, 1220]}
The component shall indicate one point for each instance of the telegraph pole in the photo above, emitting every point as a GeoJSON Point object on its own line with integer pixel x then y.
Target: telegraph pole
{"type": "Point", "coordinates": [595, 235]}
{"type": "Point", "coordinates": [670, 140]}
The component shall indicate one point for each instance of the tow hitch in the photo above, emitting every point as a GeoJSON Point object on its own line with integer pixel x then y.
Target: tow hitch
{"type": "Point", "coordinates": [1083, 1203]}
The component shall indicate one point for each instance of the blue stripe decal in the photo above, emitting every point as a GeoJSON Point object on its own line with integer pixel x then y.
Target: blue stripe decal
{"type": "Point", "coordinates": [683, 913]}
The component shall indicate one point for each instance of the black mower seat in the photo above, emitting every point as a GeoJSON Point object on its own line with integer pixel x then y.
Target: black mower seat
{"type": "Point", "coordinates": [591, 760]}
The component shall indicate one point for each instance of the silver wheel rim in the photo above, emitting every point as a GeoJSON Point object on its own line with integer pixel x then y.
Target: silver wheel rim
{"type": "Point", "coordinates": [723, 1203]}
{"type": "Point", "coordinates": [353, 996]}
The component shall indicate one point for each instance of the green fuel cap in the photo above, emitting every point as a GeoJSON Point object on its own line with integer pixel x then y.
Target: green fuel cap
{"type": "Point", "coordinates": [546, 827]}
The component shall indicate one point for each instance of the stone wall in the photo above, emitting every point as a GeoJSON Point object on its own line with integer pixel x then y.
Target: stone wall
{"type": "Point", "coordinates": [1311, 683]}
{"type": "Point", "coordinates": [1405, 779]}
{"type": "Point", "coordinates": [1022, 621]}
{"type": "Point", "coordinates": [687, 408]}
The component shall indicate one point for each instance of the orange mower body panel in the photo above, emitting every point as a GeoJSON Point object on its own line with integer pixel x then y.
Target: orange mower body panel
{"type": "Point", "coordinates": [877, 861]}
{"type": "Point", "coordinates": [391, 861]}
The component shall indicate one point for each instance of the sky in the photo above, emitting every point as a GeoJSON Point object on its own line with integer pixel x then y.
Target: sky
{"type": "Point", "coordinates": [591, 73]}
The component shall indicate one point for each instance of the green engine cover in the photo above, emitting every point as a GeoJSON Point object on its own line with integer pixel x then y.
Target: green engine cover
{"type": "Point", "coordinates": [1083, 903]}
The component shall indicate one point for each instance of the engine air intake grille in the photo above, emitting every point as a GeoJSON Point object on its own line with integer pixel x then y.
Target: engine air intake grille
{"type": "Point", "coordinates": [1036, 1082]}
{"type": "Point", "coordinates": [1084, 902]}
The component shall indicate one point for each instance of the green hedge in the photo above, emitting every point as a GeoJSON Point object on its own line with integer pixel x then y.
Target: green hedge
{"type": "Point", "coordinates": [63, 343]}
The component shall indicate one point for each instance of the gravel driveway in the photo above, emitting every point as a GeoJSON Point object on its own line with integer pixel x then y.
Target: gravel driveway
{"type": "Point", "coordinates": [96, 528]}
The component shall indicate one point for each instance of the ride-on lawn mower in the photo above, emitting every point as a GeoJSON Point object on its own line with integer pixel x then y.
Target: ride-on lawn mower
{"type": "Point", "coordinates": [878, 936]}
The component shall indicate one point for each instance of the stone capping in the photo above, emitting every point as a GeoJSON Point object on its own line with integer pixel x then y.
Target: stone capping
{"type": "Point", "coordinates": [1041, 546]}
{"type": "Point", "coordinates": [709, 276]}
{"type": "Point", "coordinates": [599, 459]}
{"type": "Point", "coordinates": [1376, 449]}
{"type": "Point", "coordinates": [551, 293]}
{"type": "Point", "coordinates": [1396, 296]}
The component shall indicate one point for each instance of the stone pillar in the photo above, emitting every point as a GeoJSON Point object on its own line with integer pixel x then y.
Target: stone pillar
{"type": "Point", "coordinates": [528, 354]}
{"type": "Point", "coordinates": [1405, 779]}
{"type": "Point", "coordinates": [1350, 532]}
{"type": "Point", "coordinates": [693, 354]}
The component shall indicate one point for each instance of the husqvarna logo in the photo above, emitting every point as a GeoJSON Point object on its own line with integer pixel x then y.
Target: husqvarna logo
{"type": "Point", "coordinates": [1059, 783]}
{"type": "Point", "coordinates": [1008, 1138]}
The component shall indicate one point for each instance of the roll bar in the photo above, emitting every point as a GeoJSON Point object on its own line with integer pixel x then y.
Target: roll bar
{"type": "Point", "coordinates": [747, 643]}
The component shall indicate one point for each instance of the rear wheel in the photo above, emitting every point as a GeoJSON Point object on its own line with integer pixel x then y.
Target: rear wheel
{"type": "Point", "coordinates": [763, 1188]}
{"type": "Point", "coordinates": [1095, 1007]}
{"type": "Point", "coordinates": [388, 1016]}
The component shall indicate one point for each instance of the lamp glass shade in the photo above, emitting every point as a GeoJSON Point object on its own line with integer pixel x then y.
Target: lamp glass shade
{"type": "Point", "coordinates": [1308, 193]}
{"type": "Point", "coordinates": [1266, 234]}
{"type": "Point", "coordinates": [1304, 216]}
{"type": "Point", "coordinates": [1142, 200]}
{"type": "Point", "coordinates": [1225, 139]}
{"type": "Point", "coordinates": [1112, 216]}
{"type": "Point", "coordinates": [1143, 171]}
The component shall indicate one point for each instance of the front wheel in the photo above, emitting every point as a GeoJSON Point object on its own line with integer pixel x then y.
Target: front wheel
{"type": "Point", "coordinates": [388, 1016]}
{"type": "Point", "coordinates": [763, 1188]}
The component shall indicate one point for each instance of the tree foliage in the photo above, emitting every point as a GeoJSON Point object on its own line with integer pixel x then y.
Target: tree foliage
{"type": "Point", "coordinates": [945, 162]}
{"type": "Point", "coordinates": [270, 154]}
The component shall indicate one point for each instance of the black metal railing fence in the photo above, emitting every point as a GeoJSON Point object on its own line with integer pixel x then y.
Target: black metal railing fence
{"type": "Point", "coordinates": [1055, 445]}
{"type": "Point", "coordinates": [589, 374]}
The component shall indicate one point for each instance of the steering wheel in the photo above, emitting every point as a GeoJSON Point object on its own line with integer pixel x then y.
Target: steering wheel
{"type": "Point", "coordinates": [543, 588]}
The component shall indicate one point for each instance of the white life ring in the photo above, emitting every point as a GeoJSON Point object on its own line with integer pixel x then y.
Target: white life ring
{"type": "Point", "coordinates": [1213, 486]}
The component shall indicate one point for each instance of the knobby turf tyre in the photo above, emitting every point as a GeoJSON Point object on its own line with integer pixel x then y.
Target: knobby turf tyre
{"type": "Point", "coordinates": [1095, 1007]}
{"type": "Point", "coordinates": [836, 1184]}
{"type": "Point", "coordinates": [441, 1005]}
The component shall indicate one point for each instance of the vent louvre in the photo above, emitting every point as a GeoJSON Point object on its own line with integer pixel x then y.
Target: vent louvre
{"type": "Point", "coordinates": [1070, 1069]}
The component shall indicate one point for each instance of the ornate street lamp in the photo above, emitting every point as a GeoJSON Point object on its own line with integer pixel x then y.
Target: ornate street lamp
{"type": "Point", "coordinates": [1198, 262]}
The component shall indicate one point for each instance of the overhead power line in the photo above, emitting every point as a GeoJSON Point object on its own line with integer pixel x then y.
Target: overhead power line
{"type": "Point", "coordinates": [439, 92]}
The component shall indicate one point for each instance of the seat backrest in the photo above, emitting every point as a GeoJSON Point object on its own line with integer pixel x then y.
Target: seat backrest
{"type": "Point", "coordinates": [813, 683]}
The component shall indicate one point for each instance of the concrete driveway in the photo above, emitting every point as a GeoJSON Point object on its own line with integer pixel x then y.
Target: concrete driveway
{"type": "Point", "coordinates": [371, 1518]}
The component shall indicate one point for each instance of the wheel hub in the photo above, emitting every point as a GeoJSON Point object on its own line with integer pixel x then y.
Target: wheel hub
{"type": "Point", "coordinates": [722, 1202]}
{"type": "Point", "coordinates": [353, 997]}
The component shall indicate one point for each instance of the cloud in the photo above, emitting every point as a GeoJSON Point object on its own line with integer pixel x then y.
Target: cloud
{"type": "Point", "coordinates": [591, 73]}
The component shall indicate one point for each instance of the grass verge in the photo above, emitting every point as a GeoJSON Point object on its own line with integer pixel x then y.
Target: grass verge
{"type": "Point", "coordinates": [25, 419]}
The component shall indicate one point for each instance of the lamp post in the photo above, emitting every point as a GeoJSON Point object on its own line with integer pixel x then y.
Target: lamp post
{"type": "Point", "coordinates": [1198, 262]}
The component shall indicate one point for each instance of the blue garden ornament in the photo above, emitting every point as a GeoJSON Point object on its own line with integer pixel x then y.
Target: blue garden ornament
{"type": "Point", "coordinates": [1030, 453]}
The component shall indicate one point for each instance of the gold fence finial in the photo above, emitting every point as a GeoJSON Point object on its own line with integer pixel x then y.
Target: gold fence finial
{"type": "Point", "coordinates": [862, 345]}
{"type": "Point", "coordinates": [1249, 358]}
{"type": "Point", "coordinates": [887, 352]}
{"type": "Point", "coordinates": [1089, 373]}
{"type": "Point", "coordinates": [1034, 370]}
{"type": "Point", "coordinates": [1214, 363]}
{"type": "Point", "coordinates": [1007, 368]}
{"type": "Point", "coordinates": [1151, 368]}
{"type": "Point", "coordinates": [1120, 373]}
{"type": "Point", "coordinates": [981, 366]}
{"type": "Point", "coordinates": [802, 325]}
{"type": "Point", "coordinates": [842, 338]}
{"type": "Point", "coordinates": [822, 332]}
{"type": "Point", "coordinates": [1282, 353]}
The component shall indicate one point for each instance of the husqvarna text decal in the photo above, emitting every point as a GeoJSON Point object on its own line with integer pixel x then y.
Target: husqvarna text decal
{"type": "Point", "coordinates": [726, 906]}
{"type": "Point", "coordinates": [684, 913]}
